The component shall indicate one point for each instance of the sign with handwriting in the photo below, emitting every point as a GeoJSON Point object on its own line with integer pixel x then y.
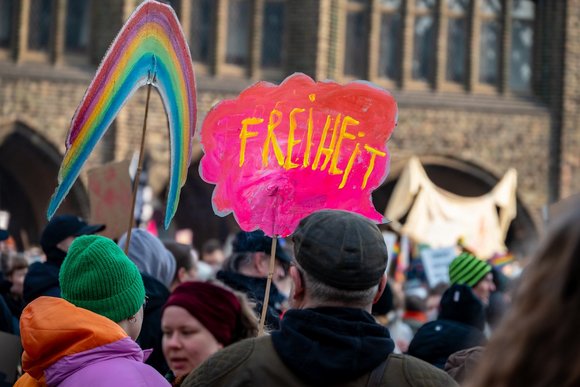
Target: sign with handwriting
{"type": "Point", "coordinates": [278, 153]}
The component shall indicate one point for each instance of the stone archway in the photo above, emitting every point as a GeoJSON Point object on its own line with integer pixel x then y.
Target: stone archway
{"type": "Point", "coordinates": [466, 179]}
{"type": "Point", "coordinates": [28, 174]}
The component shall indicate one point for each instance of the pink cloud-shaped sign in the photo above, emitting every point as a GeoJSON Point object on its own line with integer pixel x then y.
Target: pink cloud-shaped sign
{"type": "Point", "coordinates": [278, 153]}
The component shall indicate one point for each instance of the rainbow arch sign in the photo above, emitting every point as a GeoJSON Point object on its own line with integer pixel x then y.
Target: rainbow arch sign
{"type": "Point", "coordinates": [150, 49]}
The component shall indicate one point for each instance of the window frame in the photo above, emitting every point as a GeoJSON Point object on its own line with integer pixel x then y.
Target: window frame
{"type": "Point", "coordinates": [474, 18]}
{"type": "Point", "coordinates": [183, 9]}
{"type": "Point", "coordinates": [217, 64]}
{"type": "Point", "coordinates": [33, 55]}
{"type": "Point", "coordinates": [447, 16]}
{"type": "Point", "coordinates": [232, 69]}
{"type": "Point", "coordinates": [8, 51]}
{"type": "Point", "coordinates": [348, 7]}
{"type": "Point", "coordinates": [478, 86]}
{"type": "Point", "coordinates": [376, 29]}
{"type": "Point", "coordinates": [533, 22]}
{"type": "Point", "coordinates": [71, 57]}
{"type": "Point", "coordinates": [409, 30]}
{"type": "Point", "coordinates": [273, 72]}
{"type": "Point", "coordinates": [56, 53]}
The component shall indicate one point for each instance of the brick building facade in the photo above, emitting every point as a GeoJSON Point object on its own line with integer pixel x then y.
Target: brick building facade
{"type": "Point", "coordinates": [482, 86]}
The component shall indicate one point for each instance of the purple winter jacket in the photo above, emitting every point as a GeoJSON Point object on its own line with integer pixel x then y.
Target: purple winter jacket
{"type": "Point", "coordinates": [120, 363]}
{"type": "Point", "coordinates": [68, 346]}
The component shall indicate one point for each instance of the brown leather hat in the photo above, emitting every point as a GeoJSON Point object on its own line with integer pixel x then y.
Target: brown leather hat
{"type": "Point", "coordinates": [341, 249]}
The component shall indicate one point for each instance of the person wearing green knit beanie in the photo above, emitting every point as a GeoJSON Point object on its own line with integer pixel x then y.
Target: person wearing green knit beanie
{"type": "Point", "coordinates": [98, 276]}
{"type": "Point", "coordinates": [467, 269]}
{"type": "Point", "coordinates": [87, 337]}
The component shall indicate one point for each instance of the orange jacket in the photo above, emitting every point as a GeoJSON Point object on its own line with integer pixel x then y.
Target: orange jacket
{"type": "Point", "coordinates": [52, 328]}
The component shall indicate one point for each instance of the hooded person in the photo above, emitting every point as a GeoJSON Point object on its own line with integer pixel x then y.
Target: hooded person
{"type": "Point", "coordinates": [459, 326]}
{"type": "Point", "coordinates": [87, 336]}
{"type": "Point", "coordinates": [157, 266]}
{"type": "Point", "coordinates": [55, 240]}
{"type": "Point", "coordinates": [328, 337]}
{"type": "Point", "coordinates": [246, 270]}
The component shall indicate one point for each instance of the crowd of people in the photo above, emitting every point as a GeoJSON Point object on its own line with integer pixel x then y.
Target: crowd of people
{"type": "Point", "coordinates": [87, 313]}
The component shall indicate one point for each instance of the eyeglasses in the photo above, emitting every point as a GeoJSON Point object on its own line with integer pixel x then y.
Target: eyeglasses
{"type": "Point", "coordinates": [145, 302]}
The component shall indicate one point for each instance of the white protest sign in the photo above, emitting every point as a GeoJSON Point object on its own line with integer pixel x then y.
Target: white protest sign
{"type": "Point", "coordinates": [436, 263]}
{"type": "Point", "coordinates": [390, 240]}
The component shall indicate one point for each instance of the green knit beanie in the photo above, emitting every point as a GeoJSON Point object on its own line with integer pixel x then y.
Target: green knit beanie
{"type": "Point", "coordinates": [467, 269]}
{"type": "Point", "coordinates": [97, 275]}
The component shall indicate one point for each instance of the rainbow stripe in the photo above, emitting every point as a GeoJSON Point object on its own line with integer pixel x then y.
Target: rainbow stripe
{"type": "Point", "coordinates": [501, 260]}
{"type": "Point", "coordinates": [149, 49]}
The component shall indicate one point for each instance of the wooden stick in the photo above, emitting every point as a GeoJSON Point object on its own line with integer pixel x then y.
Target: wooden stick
{"type": "Point", "coordinates": [268, 283]}
{"type": "Point", "coordinates": [138, 173]}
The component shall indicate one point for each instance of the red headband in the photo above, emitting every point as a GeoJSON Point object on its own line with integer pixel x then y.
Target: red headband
{"type": "Point", "coordinates": [216, 308]}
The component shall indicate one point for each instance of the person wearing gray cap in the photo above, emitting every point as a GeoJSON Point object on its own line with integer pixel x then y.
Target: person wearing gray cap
{"type": "Point", "coordinates": [328, 337]}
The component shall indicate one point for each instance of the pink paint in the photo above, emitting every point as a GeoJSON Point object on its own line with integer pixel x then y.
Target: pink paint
{"type": "Point", "coordinates": [279, 153]}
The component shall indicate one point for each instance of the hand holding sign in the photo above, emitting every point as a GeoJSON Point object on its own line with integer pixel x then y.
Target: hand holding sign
{"type": "Point", "coordinates": [279, 153]}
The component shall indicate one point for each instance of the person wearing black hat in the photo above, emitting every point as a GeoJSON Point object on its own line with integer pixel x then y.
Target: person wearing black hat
{"type": "Point", "coordinates": [246, 270]}
{"type": "Point", "coordinates": [329, 336]}
{"type": "Point", "coordinates": [459, 326]}
{"type": "Point", "coordinates": [55, 240]}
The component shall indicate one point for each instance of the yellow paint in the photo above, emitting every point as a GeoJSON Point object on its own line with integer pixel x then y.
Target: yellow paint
{"type": "Point", "coordinates": [331, 151]}
{"type": "Point", "coordinates": [355, 153]}
{"type": "Point", "coordinates": [306, 161]}
{"type": "Point", "coordinates": [245, 134]}
{"type": "Point", "coordinates": [291, 141]}
{"type": "Point", "coordinates": [273, 122]}
{"type": "Point", "coordinates": [326, 151]}
{"type": "Point", "coordinates": [374, 153]}
{"type": "Point", "coordinates": [348, 121]}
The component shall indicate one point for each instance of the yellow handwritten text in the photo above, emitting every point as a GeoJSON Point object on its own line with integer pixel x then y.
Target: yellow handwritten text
{"type": "Point", "coordinates": [344, 130]}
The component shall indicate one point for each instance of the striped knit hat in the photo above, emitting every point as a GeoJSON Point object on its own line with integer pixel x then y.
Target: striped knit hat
{"type": "Point", "coordinates": [467, 269]}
